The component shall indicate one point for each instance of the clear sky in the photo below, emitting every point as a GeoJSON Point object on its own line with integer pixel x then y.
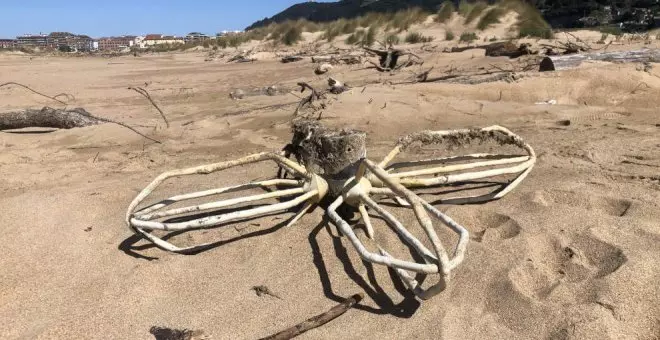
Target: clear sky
{"type": "Point", "coordinates": [98, 18]}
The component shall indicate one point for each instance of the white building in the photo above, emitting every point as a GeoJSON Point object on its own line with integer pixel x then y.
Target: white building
{"type": "Point", "coordinates": [159, 39]}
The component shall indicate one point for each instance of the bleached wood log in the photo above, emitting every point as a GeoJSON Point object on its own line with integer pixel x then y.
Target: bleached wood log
{"type": "Point", "coordinates": [563, 62]}
{"type": "Point", "coordinates": [47, 118]}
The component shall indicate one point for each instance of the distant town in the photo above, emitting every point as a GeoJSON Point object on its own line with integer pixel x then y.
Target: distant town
{"type": "Point", "coordinates": [69, 42]}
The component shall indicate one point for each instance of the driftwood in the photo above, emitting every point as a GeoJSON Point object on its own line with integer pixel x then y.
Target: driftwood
{"type": "Point", "coordinates": [495, 74]}
{"type": "Point", "coordinates": [291, 59]}
{"type": "Point", "coordinates": [55, 118]}
{"type": "Point", "coordinates": [508, 49]}
{"type": "Point", "coordinates": [336, 87]}
{"type": "Point", "coordinates": [473, 79]}
{"type": "Point", "coordinates": [318, 320]}
{"type": "Point", "coordinates": [164, 333]}
{"type": "Point", "coordinates": [338, 59]}
{"type": "Point", "coordinates": [562, 62]}
{"type": "Point", "coordinates": [68, 97]}
{"type": "Point", "coordinates": [241, 59]}
{"type": "Point", "coordinates": [568, 47]}
{"type": "Point", "coordinates": [323, 58]}
{"type": "Point", "coordinates": [389, 58]}
{"type": "Point", "coordinates": [145, 94]}
{"type": "Point", "coordinates": [498, 49]}
{"type": "Point", "coordinates": [309, 100]}
{"type": "Point", "coordinates": [47, 118]}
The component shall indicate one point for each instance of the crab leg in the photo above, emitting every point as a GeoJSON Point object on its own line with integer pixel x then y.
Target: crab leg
{"type": "Point", "coordinates": [367, 220]}
{"type": "Point", "coordinates": [206, 193]}
{"type": "Point", "coordinates": [346, 229]}
{"type": "Point", "coordinates": [211, 168]}
{"type": "Point", "coordinates": [520, 165]}
{"type": "Point", "coordinates": [220, 204]}
{"type": "Point", "coordinates": [224, 218]}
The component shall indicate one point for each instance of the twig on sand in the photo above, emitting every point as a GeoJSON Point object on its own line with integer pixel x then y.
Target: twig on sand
{"type": "Point", "coordinates": [267, 107]}
{"type": "Point", "coordinates": [144, 93]}
{"type": "Point", "coordinates": [263, 290]}
{"type": "Point", "coordinates": [639, 87]}
{"type": "Point", "coordinates": [318, 320]}
{"type": "Point", "coordinates": [126, 126]}
{"type": "Point", "coordinates": [68, 96]}
{"type": "Point", "coordinates": [309, 100]}
{"type": "Point", "coordinates": [164, 333]}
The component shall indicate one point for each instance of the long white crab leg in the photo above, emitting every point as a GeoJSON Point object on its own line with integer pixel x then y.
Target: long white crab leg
{"type": "Point", "coordinates": [220, 204]}
{"type": "Point", "coordinates": [308, 191]}
{"type": "Point", "coordinates": [206, 193]}
{"type": "Point", "coordinates": [446, 174]}
{"type": "Point", "coordinates": [367, 220]}
{"type": "Point", "coordinates": [458, 167]}
{"type": "Point", "coordinates": [436, 259]}
{"type": "Point", "coordinates": [211, 168]}
{"type": "Point", "coordinates": [215, 220]}
{"type": "Point", "coordinates": [346, 229]}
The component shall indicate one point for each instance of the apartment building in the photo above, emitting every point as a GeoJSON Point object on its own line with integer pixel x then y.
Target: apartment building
{"type": "Point", "coordinates": [158, 39]}
{"type": "Point", "coordinates": [8, 43]}
{"type": "Point", "coordinates": [194, 37]}
{"type": "Point", "coordinates": [116, 43]}
{"type": "Point", "coordinates": [56, 40]}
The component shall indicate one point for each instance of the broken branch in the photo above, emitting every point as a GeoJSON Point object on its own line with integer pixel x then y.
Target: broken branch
{"type": "Point", "coordinates": [68, 96]}
{"type": "Point", "coordinates": [318, 320]}
{"type": "Point", "coordinates": [144, 93]}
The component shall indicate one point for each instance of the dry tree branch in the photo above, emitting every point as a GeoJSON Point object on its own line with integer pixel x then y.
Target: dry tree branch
{"type": "Point", "coordinates": [585, 46]}
{"type": "Point", "coordinates": [126, 126]}
{"type": "Point", "coordinates": [422, 77]}
{"type": "Point", "coordinates": [378, 67]}
{"type": "Point", "coordinates": [41, 94]}
{"type": "Point", "coordinates": [144, 93]}
{"type": "Point", "coordinates": [267, 107]}
{"type": "Point", "coordinates": [501, 69]}
{"type": "Point", "coordinates": [639, 87]}
{"type": "Point", "coordinates": [309, 100]}
{"type": "Point", "coordinates": [318, 320]}
{"type": "Point", "coordinates": [57, 118]}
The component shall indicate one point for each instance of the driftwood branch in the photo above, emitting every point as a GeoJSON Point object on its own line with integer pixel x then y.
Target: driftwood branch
{"type": "Point", "coordinates": [291, 59]}
{"type": "Point", "coordinates": [164, 333]}
{"type": "Point", "coordinates": [144, 93]}
{"type": "Point", "coordinates": [54, 118]}
{"type": "Point", "coordinates": [498, 49]}
{"type": "Point", "coordinates": [388, 59]}
{"type": "Point", "coordinates": [562, 62]}
{"type": "Point", "coordinates": [68, 96]}
{"type": "Point", "coordinates": [47, 118]}
{"type": "Point", "coordinates": [318, 320]}
{"type": "Point", "coordinates": [309, 100]}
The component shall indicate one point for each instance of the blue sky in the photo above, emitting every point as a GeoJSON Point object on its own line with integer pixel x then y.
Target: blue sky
{"type": "Point", "coordinates": [117, 17]}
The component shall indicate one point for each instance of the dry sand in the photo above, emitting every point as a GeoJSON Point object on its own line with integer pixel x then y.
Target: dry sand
{"type": "Point", "coordinates": [572, 253]}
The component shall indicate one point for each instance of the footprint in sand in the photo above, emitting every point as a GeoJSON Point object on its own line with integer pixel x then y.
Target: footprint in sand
{"type": "Point", "coordinates": [493, 227]}
{"type": "Point", "coordinates": [608, 205]}
{"type": "Point", "coordinates": [551, 262]}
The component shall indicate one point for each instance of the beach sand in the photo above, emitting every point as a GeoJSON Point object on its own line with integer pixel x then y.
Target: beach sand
{"type": "Point", "coordinates": [572, 253]}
